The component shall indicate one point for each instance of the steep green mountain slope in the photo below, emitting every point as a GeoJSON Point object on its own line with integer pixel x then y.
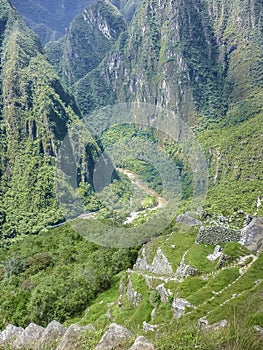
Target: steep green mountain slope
{"type": "Point", "coordinates": [167, 57]}
{"type": "Point", "coordinates": [35, 115]}
{"type": "Point", "coordinates": [202, 60]}
{"type": "Point", "coordinates": [49, 19]}
{"type": "Point", "coordinates": [89, 37]}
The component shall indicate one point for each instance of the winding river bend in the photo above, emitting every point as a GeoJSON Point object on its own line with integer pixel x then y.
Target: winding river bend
{"type": "Point", "coordinates": [136, 180]}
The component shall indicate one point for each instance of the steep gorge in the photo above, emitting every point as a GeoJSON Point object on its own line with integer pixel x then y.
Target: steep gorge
{"type": "Point", "coordinates": [35, 117]}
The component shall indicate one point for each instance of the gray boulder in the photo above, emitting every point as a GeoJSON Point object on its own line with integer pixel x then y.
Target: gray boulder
{"type": "Point", "coordinates": [9, 335]}
{"type": "Point", "coordinates": [188, 220]}
{"type": "Point", "coordinates": [133, 296]}
{"type": "Point", "coordinates": [147, 327]}
{"type": "Point", "coordinates": [70, 338]}
{"type": "Point", "coordinates": [142, 343]}
{"type": "Point", "coordinates": [164, 293]}
{"type": "Point", "coordinates": [216, 254]}
{"type": "Point", "coordinates": [179, 306]}
{"type": "Point", "coordinates": [160, 264]}
{"type": "Point", "coordinates": [252, 235]}
{"type": "Point", "coordinates": [51, 335]}
{"type": "Point", "coordinates": [259, 330]}
{"type": "Point", "coordinates": [185, 270]}
{"type": "Point", "coordinates": [204, 324]}
{"type": "Point", "coordinates": [115, 338]}
{"type": "Point", "coordinates": [29, 337]}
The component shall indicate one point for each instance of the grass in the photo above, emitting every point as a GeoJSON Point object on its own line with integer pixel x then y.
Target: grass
{"type": "Point", "coordinates": [182, 240]}
{"type": "Point", "coordinates": [197, 257]}
{"type": "Point", "coordinates": [220, 281]}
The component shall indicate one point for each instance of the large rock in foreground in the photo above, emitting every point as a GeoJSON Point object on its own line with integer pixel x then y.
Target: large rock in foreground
{"type": "Point", "coordinates": [9, 335]}
{"type": "Point", "coordinates": [252, 235]}
{"type": "Point", "coordinates": [142, 343]}
{"type": "Point", "coordinates": [51, 336]}
{"type": "Point", "coordinates": [71, 337]}
{"type": "Point", "coordinates": [115, 338]}
{"type": "Point", "coordinates": [29, 337]}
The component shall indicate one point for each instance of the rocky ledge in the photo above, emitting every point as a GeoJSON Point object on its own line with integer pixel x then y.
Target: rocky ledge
{"type": "Point", "coordinates": [57, 337]}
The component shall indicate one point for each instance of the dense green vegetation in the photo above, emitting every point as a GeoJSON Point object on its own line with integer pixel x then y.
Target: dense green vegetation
{"type": "Point", "coordinates": [55, 275]}
{"type": "Point", "coordinates": [90, 36]}
{"type": "Point", "coordinates": [49, 18]}
{"type": "Point", "coordinates": [36, 115]}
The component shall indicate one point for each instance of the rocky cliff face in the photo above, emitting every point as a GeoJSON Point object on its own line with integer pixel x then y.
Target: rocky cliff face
{"type": "Point", "coordinates": [155, 60]}
{"type": "Point", "coordinates": [185, 56]}
{"type": "Point", "coordinates": [90, 36]}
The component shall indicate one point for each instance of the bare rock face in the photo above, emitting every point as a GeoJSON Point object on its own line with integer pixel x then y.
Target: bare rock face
{"type": "Point", "coordinates": [115, 338]}
{"type": "Point", "coordinates": [185, 270]}
{"type": "Point", "coordinates": [216, 254]}
{"type": "Point", "coordinates": [70, 337]}
{"type": "Point", "coordinates": [51, 335]}
{"type": "Point", "coordinates": [9, 335]}
{"type": "Point", "coordinates": [29, 337]}
{"type": "Point", "coordinates": [160, 264]}
{"type": "Point", "coordinates": [164, 293]}
{"type": "Point", "coordinates": [179, 305]}
{"type": "Point", "coordinates": [252, 235]}
{"type": "Point", "coordinates": [188, 220]}
{"type": "Point", "coordinates": [142, 343]}
{"type": "Point", "coordinates": [203, 324]}
{"type": "Point", "coordinates": [133, 296]}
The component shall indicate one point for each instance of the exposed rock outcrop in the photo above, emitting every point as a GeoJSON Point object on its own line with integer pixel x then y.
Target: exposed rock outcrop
{"type": "Point", "coordinates": [133, 296]}
{"type": "Point", "coordinates": [204, 324]}
{"type": "Point", "coordinates": [216, 253]}
{"type": "Point", "coordinates": [259, 330]}
{"type": "Point", "coordinates": [188, 220]}
{"type": "Point", "coordinates": [51, 335]}
{"type": "Point", "coordinates": [160, 264]}
{"type": "Point", "coordinates": [252, 235]}
{"type": "Point", "coordinates": [141, 343]}
{"type": "Point", "coordinates": [29, 337]}
{"type": "Point", "coordinates": [147, 327]}
{"type": "Point", "coordinates": [70, 337]}
{"type": "Point", "coordinates": [116, 337]}
{"type": "Point", "coordinates": [179, 306]}
{"type": "Point", "coordinates": [185, 270]}
{"type": "Point", "coordinates": [164, 293]}
{"type": "Point", "coordinates": [9, 335]}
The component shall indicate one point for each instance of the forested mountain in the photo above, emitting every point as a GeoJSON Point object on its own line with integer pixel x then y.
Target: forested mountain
{"type": "Point", "coordinates": [202, 60]}
{"type": "Point", "coordinates": [49, 19]}
{"type": "Point", "coordinates": [36, 112]}
{"type": "Point", "coordinates": [89, 38]}
{"type": "Point", "coordinates": [197, 283]}
{"type": "Point", "coordinates": [204, 55]}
